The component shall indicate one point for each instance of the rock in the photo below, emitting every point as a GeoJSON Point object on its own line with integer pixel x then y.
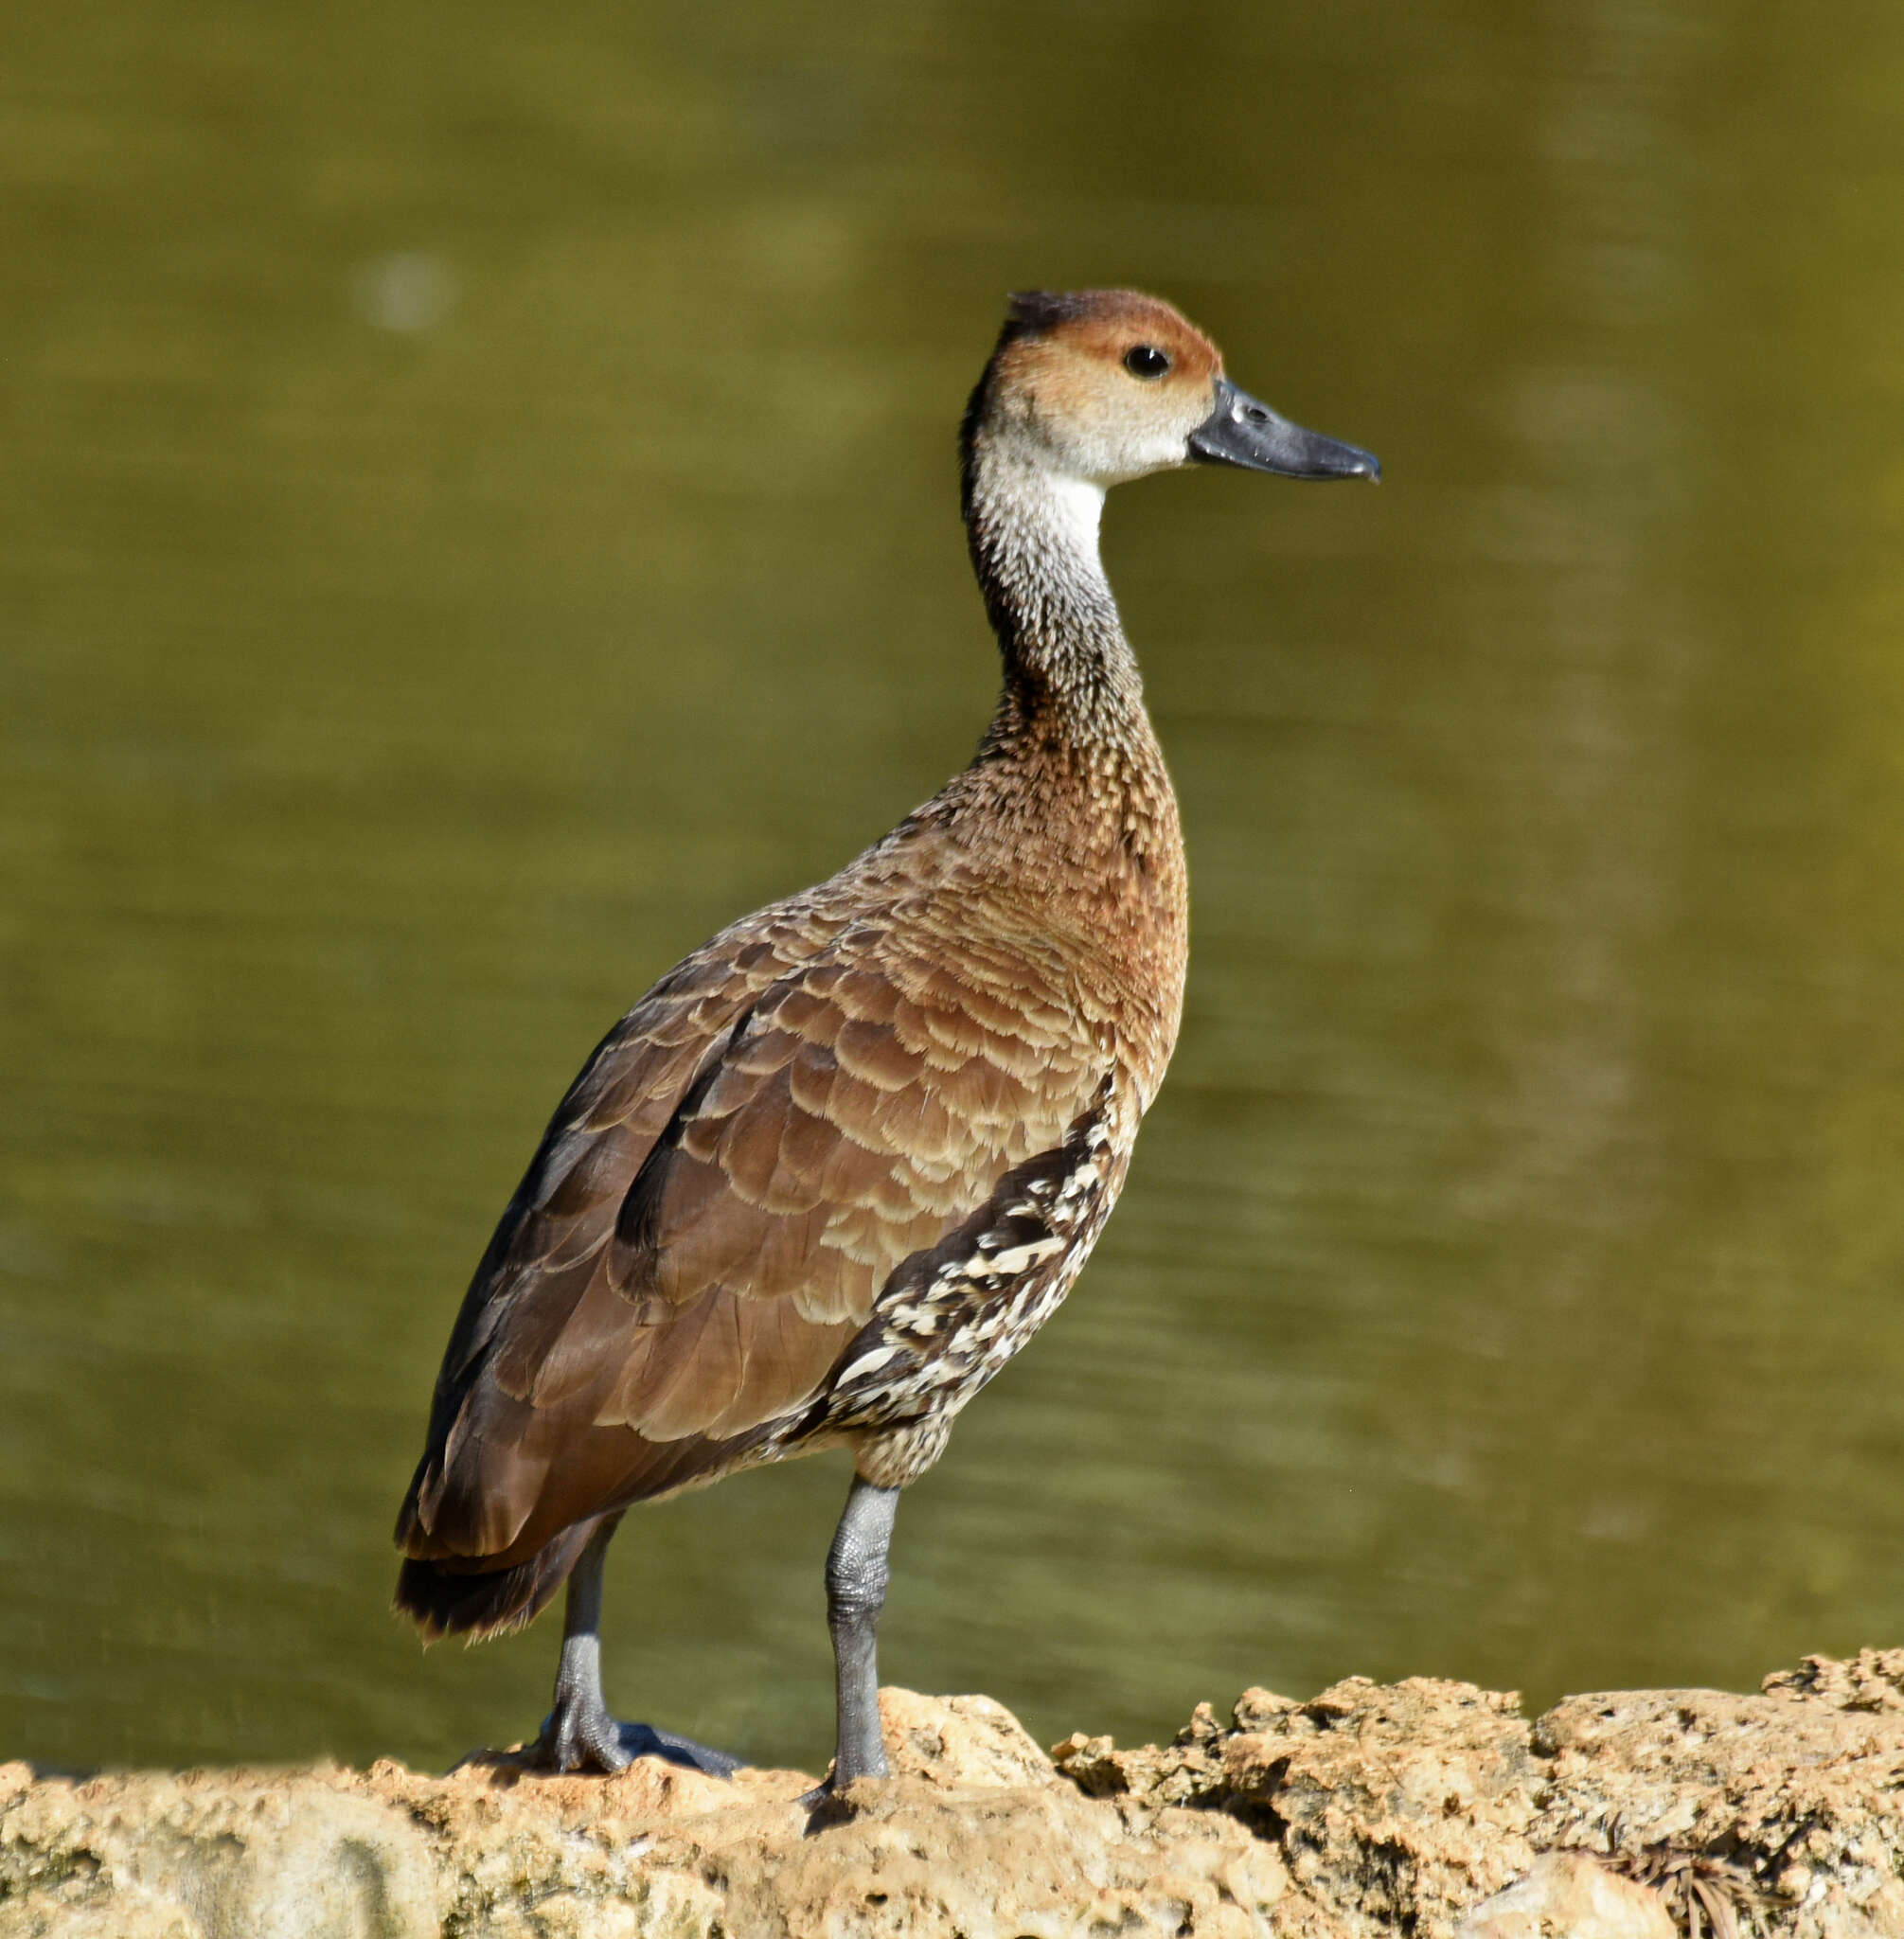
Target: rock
{"type": "Point", "coordinates": [1410, 1801]}
{"type": "Point", "coordinates": [1403, 1805]}
{"type": "Point", "coordinates": [1790, 1796]}
{"type": "Point", "coordinates": [1424, 1806]}
{"type": "Point", "coordinates": [1872, 1680]}
{"type": "Point", "coordinates": [1569, 1896]}
{"type": "Point", "coordinates": [959, 1741]}
{"type": "Point", "coordinates": [210, 1856]}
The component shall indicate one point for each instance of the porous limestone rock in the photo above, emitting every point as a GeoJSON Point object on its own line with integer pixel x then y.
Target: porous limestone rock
{"type": "Point", "coordinates": [1423, 1806]}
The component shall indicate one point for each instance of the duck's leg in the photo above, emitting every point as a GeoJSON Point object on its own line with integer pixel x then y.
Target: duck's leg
{"type": "Point", "coordinates": [578, 1733]}
{"type": "Point", "coordinates": [856, 1592]}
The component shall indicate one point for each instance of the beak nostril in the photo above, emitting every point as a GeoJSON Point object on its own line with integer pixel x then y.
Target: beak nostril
{"type": "Point", "coordinates": [1247, 433]}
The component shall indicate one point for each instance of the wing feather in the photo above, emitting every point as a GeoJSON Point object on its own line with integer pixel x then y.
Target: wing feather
{"type": "Point", "coordinates": [707, 1226]}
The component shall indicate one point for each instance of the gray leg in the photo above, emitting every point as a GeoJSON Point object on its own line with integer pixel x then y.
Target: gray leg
{"type": "Point", "coordinates": [578, 1733]}
{"type": "Point", "coordinates": [856, 1592]}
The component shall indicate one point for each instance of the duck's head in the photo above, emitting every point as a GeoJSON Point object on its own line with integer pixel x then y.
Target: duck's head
{"type": "Point", "coordinates": [1102, 385]}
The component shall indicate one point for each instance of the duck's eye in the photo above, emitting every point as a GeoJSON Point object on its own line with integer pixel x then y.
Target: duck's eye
{"type": "Point", "coordinates": [1147, 360]}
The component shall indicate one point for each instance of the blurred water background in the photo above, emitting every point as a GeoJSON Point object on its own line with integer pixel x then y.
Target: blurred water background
{"type": "Point", "coordinates": [477, 511]}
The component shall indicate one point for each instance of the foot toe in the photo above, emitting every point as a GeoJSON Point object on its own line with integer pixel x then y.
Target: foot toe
{"type": "Point", "coordinates": [580, 1739]}
{"type": "Point", "coordinates": [572, 1740]}
{"type": "Point", "coordinates": [643, 1740]}
{"type": "Point", "coordinates": [826, 1807]}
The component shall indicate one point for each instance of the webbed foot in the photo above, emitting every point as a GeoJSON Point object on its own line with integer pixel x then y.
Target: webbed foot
{"type": "Point", "coordinates": [581, 1735]}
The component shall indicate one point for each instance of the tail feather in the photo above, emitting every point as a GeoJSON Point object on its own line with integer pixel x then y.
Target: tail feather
{"type": "Point", "coordinates": [451, 1600]}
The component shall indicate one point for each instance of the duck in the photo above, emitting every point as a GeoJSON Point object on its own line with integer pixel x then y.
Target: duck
{"type": "Point", "coordinates": [822, 1182]}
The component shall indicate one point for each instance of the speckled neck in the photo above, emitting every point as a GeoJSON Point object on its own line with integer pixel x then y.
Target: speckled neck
{"type": "Point", "coordinates": [1069, 782]}
{"type": "Point", "coordinates": [1069, 671]}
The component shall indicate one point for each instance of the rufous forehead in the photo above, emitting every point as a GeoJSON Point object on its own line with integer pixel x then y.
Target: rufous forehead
{"type": "Point", "coordinates": [1104, 324]}
{"type": "Point", "coordinates": [1123, 325]}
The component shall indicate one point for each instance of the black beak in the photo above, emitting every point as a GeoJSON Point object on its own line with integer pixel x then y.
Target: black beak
{"type": "Point", "coordinates": [1241, 432]}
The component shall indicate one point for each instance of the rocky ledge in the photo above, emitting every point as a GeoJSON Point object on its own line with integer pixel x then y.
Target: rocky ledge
{"type": "Point", "coordinates": [1423, 1808]}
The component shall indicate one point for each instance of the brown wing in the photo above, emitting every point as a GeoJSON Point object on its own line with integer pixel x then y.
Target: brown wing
{"type": "Point", "coordinates": [718, 1203]}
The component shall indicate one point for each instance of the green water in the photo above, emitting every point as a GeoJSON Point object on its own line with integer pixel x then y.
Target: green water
{"type": "Point", "coordinates": [477, 511]}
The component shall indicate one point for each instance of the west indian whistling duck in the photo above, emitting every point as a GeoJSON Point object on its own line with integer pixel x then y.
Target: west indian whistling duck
{"type": "Point", "coordinates": [832, 1171]}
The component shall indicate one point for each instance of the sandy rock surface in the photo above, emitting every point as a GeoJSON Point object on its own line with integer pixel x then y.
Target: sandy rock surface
{"type": "Point", "coordinates": [1424, 1807]}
